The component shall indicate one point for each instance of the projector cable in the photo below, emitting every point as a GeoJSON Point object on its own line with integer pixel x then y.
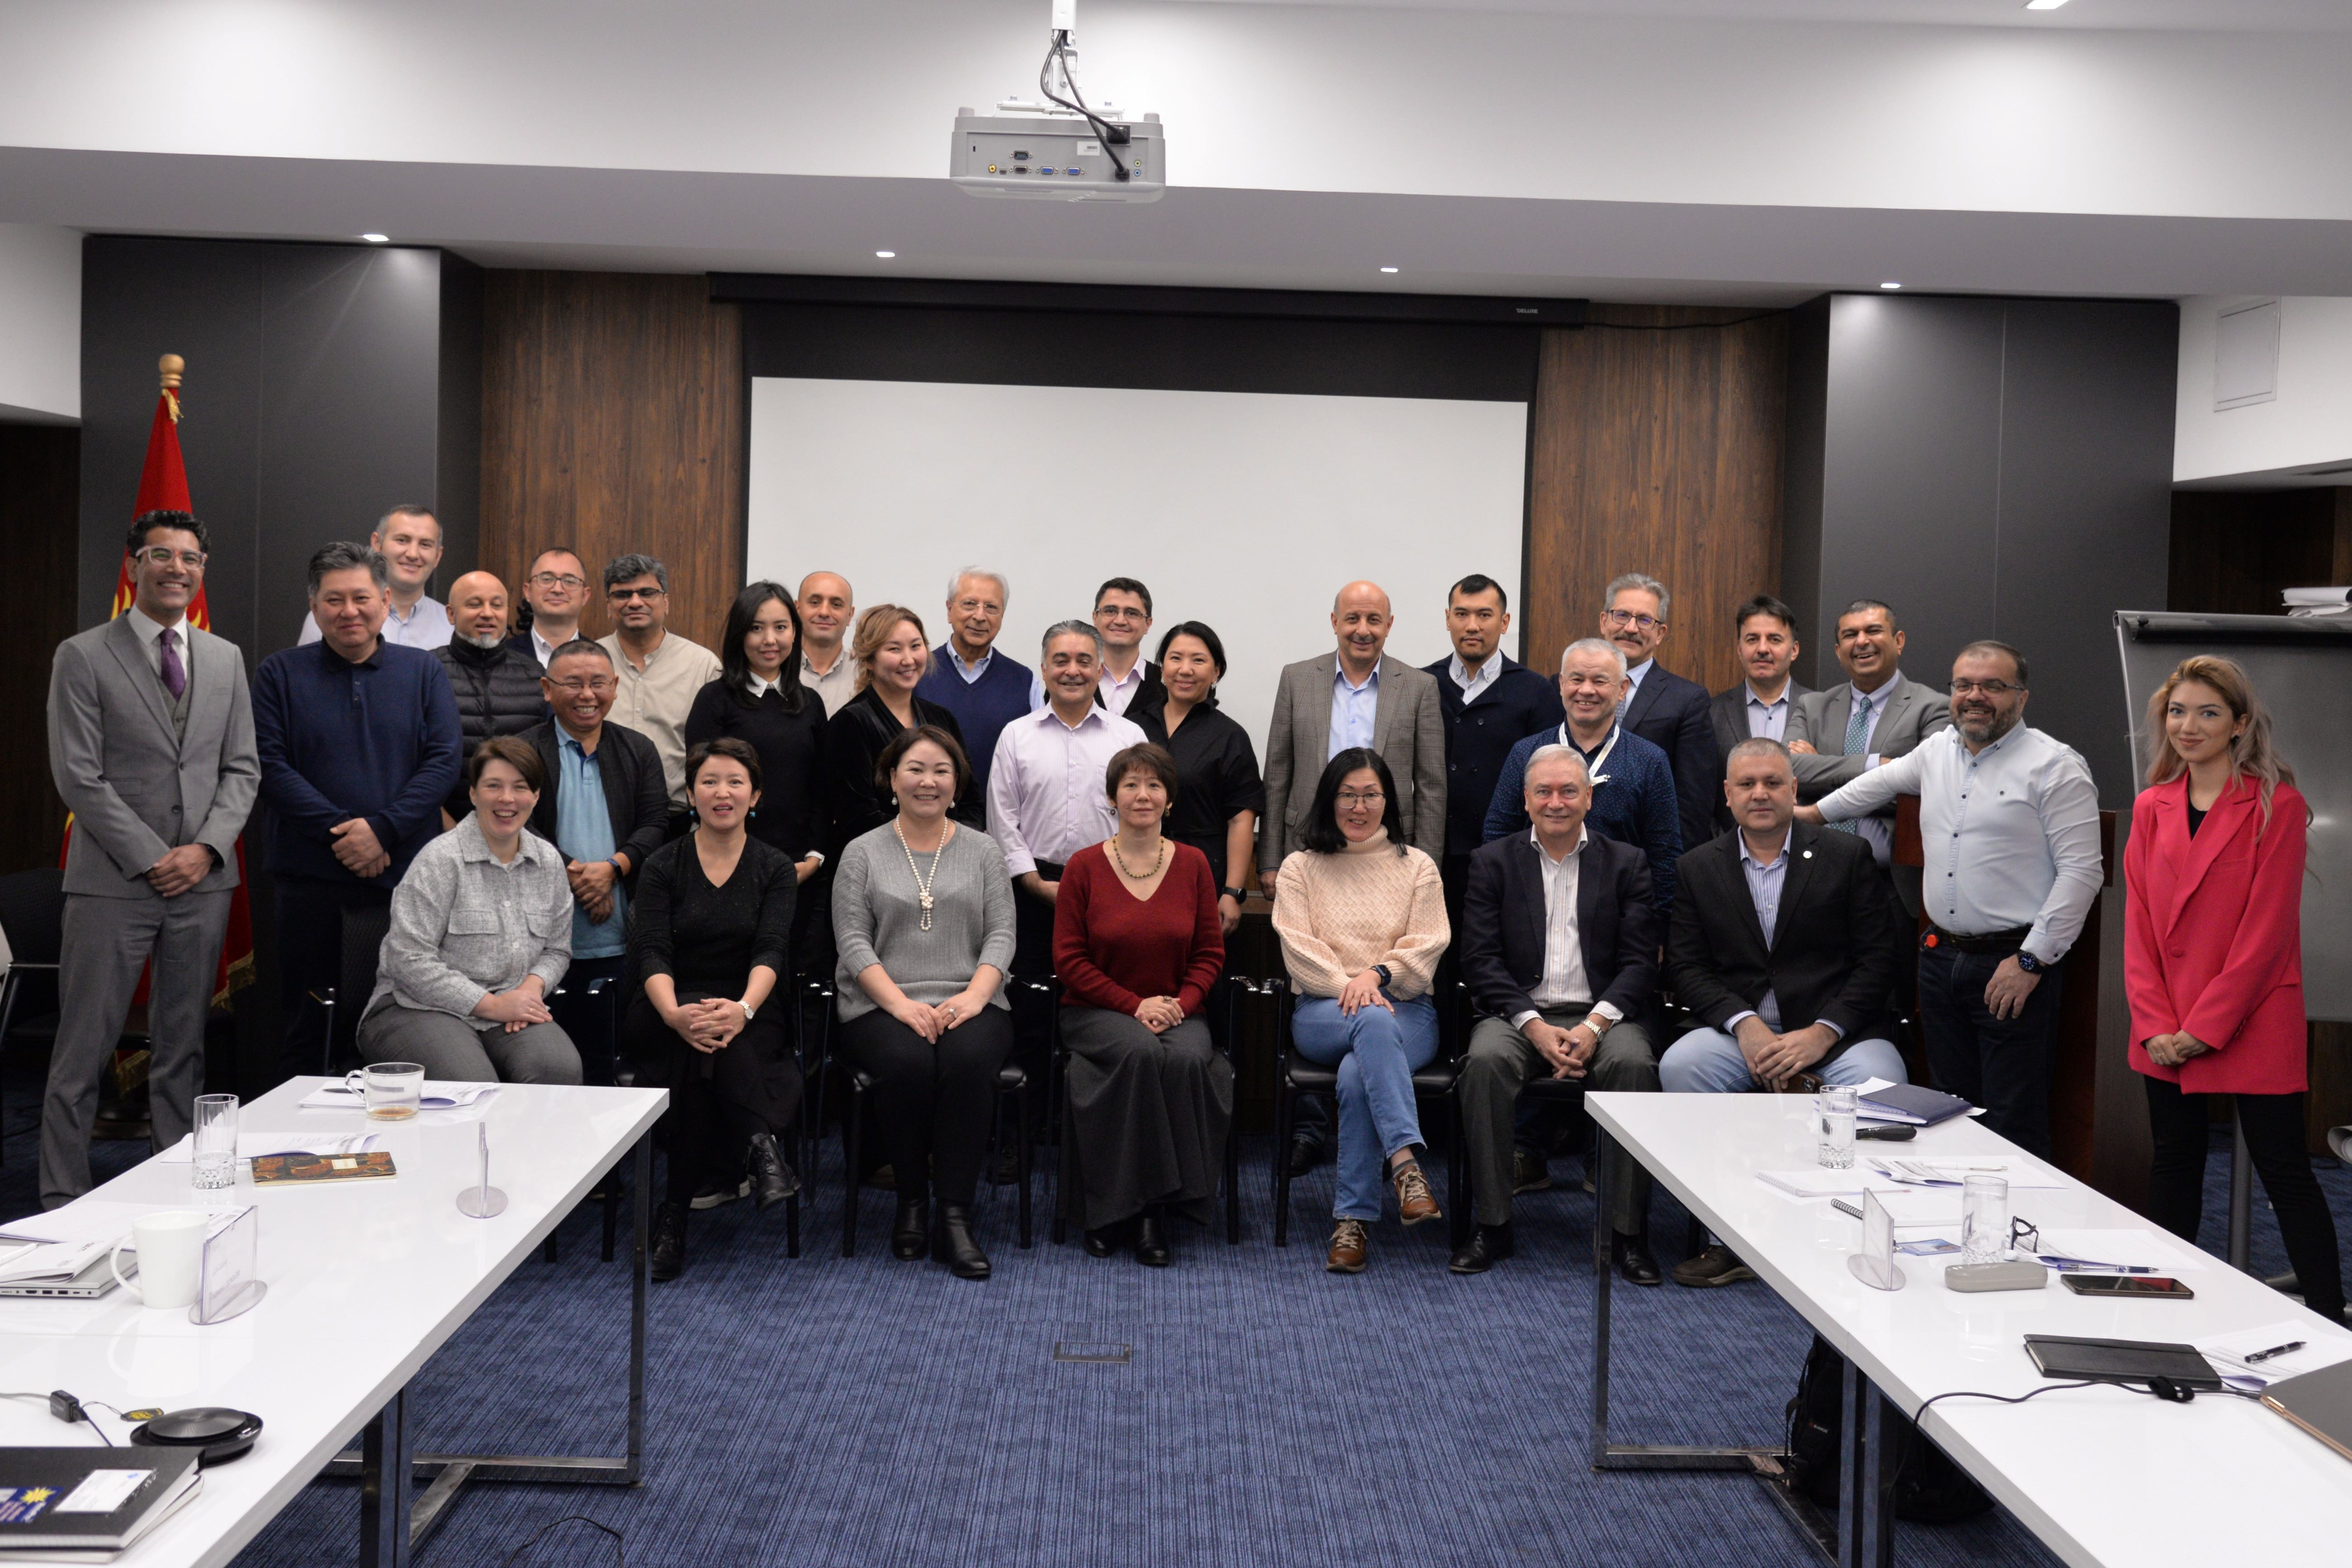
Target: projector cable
{"type": "Point", "coordinates": [1113, 136]}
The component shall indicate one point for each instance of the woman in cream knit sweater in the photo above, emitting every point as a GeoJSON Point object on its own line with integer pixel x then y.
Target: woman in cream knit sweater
{"type": "Point", "coordinates": [1362, 921]}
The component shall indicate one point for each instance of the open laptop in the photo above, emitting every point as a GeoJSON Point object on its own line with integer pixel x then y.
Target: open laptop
{"type": "Point", "coordinates": [95, 1279]}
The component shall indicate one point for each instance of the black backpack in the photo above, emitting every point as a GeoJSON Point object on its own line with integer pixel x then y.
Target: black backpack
{"type": "Point", "coordinates": [1928, 1487]}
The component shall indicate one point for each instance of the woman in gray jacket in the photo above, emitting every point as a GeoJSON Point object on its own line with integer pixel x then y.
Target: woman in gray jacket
{"type": "Point", "coordinates": [482, 933]}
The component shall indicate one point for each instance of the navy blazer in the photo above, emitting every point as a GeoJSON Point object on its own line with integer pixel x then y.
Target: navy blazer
{"type": "Point", "coordinates": [1480, 735]}
{"type": "Point", "coordinates": [1502, 924]}
{"type": "Point", "coordinates": [1678, 716]}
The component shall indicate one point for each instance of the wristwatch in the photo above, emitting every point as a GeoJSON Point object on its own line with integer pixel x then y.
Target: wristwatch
{"type": "Point", "coordinates": [1236, 894]}
{"type": "Point", "coordinates": [1598, 1024]}
{"type": "Point", "coordinates": [749, 1010]}
{"type": "Point", "coordinates": [1383, 971]}
{"type": "Point", "coordinates": [2028, 962]}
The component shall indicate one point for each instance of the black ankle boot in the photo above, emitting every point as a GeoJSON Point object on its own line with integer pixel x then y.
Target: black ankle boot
{"type": "Point", "coordinates": [772, 1181]}
{"type": "Point", "coordinates": [1151, 1241]}
{"type": "Point", "coordinates": [955, 1248]}
{"type": "Point", "coordinates": [910, 1233]}
{"type": "Point", "coordinates": [666, 1259]}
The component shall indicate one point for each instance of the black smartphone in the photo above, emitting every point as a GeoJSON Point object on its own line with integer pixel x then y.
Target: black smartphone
{"type": "Point", "coordinates": [2127, 1285]}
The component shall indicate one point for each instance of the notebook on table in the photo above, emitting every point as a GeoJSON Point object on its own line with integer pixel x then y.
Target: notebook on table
{"type": "Point", "coordinates": [2318, 1402]}
{"type": "Point", "coordinates": [84, 1505]}
{"type": "Point", "coordinates": [1912, 1104]}
{"type": "Point", "coordinates": [2120, 1361]}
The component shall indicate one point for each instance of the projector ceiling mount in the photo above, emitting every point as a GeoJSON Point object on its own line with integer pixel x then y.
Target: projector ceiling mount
{"type": "Point", "coordinates": [1059, 149]}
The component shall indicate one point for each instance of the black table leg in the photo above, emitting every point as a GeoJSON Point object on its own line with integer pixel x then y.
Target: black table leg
{"type": "Point", "coordinates": [385, 1470]}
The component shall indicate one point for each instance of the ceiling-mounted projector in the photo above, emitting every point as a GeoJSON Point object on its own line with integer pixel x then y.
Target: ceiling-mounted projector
{"type": "Point", "coordinates": [1059, 149]}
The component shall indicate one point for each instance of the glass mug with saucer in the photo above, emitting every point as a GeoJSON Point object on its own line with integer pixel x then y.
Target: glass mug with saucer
{"type": "Point", "coordinates": [393, 1090]}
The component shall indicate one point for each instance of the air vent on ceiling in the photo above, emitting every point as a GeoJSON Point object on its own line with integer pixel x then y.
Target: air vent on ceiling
{"type": "Point", "coordinates": [2245, 355]}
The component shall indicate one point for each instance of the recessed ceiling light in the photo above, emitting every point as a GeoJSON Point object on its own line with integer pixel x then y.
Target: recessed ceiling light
{"type": "Point", "coordinates": [1388, 269]}
{"type": "Point", "coordinates": [377, 239]}
{"type": "Point", "coordinates": [1890, 286]}
{"type": "Point", "coordinates": [2043, 5]}
{"type": "Point", "coordinates": [886, 254]}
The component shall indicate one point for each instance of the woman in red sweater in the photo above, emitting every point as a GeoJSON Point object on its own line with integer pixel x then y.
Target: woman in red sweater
{"type": "Point", "coordinates": [1138, 943]}
{"type": "Point", "coordinates": [2213, 958]}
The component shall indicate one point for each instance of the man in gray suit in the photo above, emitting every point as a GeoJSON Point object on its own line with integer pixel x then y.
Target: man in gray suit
{"type": "Point", "coordinates": [1759, 708]}
{"type": "Point", "coordinates": [1874, 717]}
{"type": "Point", "coordinates": [1324, 704]}
{"type": "Point", "coordinates": [151, 744]}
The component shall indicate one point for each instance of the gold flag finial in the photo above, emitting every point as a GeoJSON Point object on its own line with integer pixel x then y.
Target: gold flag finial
{"type": "Point", "coordinates": [168, 366]}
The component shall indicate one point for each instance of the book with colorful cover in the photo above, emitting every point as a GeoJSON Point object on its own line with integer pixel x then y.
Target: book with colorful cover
{"type": "Point", "coordinates": [280, 1170]}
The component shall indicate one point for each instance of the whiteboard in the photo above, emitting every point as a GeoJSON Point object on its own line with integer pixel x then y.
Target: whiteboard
{"type": "Point", "coordinates": [1245, 511]}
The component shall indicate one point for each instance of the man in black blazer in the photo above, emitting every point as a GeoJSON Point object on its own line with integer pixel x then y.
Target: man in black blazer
{"type": "Point", "coordinates": [602, 845]}
{"type": "Point", "coordinates": [1669, 712]}
{"type": "Point", "coordinates": [1489, 702]}
{"type": "Point", "coordinates": [1784, 945]}
{"type": "Point", "coordinates": [1765, 634]}
{"type": "Point", "coordinates": [1559, 943]}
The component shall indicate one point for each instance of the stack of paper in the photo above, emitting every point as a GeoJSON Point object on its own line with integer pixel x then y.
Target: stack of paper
{"type": "Point", "coordinates": [249, 1144]}
{"type": "Point", "coordinates": [435, 1096]}
{"type": "Point", "coordinates": [2316, 1348]}
{"type": "Point", "coordinates": [50, 1262]}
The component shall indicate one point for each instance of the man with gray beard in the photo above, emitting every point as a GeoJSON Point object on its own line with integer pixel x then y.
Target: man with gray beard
{"type": "Point", "coordinates": [496, 684]}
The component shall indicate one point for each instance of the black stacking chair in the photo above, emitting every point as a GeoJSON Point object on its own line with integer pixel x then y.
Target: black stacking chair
{"type": "Point", "coordinates": [33, 914]}
{"type": "Point", "coordinates": [1069, 1184]}
{"type": "Point", "coordinates": [1434, 1085]}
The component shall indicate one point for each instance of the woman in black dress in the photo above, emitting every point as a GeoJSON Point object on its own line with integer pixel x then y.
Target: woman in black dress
{"type": "Point", "coordinates": [759, 699]}
{"type": "Point", "coordinates": [893, 652]}
{"type": "Point", "coordinates": [709, 934]}
{"type": "Point", "coordinates": [1220, 791]}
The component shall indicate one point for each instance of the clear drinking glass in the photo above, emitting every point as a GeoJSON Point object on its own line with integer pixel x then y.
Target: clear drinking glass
{"type": "Point", "coordinates": [215, 1141]}
{"type": "Point", "coordinates": [393, 1090]}
{"type": "Point", "coordinates": [1835, 1107]}
{"type": "Point", "coordinates": [1984, 1219]}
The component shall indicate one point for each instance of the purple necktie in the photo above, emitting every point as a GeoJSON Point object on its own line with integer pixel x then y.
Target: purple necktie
{"type": "Point", "coordinates": [175, 674]}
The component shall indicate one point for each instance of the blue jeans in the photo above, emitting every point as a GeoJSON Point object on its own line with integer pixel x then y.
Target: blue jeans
{"type": "Point", "coordinates": [1377, 1053]}
{"type": "Point", "coordinates": [1708, 1062]}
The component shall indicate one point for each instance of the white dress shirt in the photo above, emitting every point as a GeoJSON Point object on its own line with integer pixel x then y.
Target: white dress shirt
{"type": "Point", "coordinates": [1564, 983]}
{"type": "Point", "coordinates": [1117, 693]}
{"type": "Point", "coordinates": [427, 625]}
{"type": "Point", "coordinates": [972, 672]}
{"type": "Point", "coordinates": [542, 650]}
{"type": "Point", "coordinates": [2011, 833]}
{"type": "Point", "coordinates": [1472, 684]}
{"type": "Point", "coordinates": [1046, 795]}
{"type": "Point", "coordinates": [1633, 673]}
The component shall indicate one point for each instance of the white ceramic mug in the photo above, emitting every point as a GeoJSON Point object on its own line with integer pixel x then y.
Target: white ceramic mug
{"type": "Point", "coordinates": [170, 1246]}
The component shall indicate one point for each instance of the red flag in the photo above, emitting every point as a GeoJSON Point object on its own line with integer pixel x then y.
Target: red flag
{"type": "Point", "coordinates": [163, 487]}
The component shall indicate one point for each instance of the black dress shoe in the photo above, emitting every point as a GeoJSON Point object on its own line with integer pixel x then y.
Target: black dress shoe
{"type": "Point", "coordinates": [955, 1248]}
{"type": "Point", "coordinates": [772, 1181]}
{"type": "Point", "coordinates": [1102, 1243]}
{"type": "Point", "coordinates": [666, 1260]}
{"type": "Point", "coordinates": [1151, 1242]}
{"type": "Point", "coordinates": [1305, 1154]}
{"type": "Point", "coordinates": [1634, 1264]}
{"type": "Point", "coordinates": [910, 1233]}
{"type": "Point", "coordinates": [1488, 1244]}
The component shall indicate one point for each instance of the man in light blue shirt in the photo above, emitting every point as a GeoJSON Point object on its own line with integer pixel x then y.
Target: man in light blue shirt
{"type": "Point", "coordinates": [409, 539]}
{"type": "Point", "coordinates": [1354, 706]}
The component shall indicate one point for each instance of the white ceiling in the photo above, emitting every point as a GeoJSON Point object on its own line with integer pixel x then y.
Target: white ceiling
{"type": "Point", "coordinates": [1700, 151]}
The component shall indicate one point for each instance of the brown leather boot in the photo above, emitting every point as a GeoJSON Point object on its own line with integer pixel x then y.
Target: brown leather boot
{"type": "Point", "coordinates": [1415, 1204]}
{"type": "Point", "coordinates": [1349, 1242]}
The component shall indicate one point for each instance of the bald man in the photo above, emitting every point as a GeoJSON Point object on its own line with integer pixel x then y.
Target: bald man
{"type": "Point", "coordinates": [828, 608]}
{"type": "Point", "coordinates": [497, 685]}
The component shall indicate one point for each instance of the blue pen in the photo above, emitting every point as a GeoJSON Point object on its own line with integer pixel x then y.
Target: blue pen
{"type": "Point", "coordinates": [2065, 1265]}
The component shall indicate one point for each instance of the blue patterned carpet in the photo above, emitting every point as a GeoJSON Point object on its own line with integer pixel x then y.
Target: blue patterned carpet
{"type": "Point", "coordinates": [832, 1413]}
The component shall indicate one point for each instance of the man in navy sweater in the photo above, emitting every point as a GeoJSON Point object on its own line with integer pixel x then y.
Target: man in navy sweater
{"type": "Point", "coordinates": [359, 743]}
{"type": "Point", "coordinates": [1489, 701]}
{"type": "Point", "coordinates": [985, 689]}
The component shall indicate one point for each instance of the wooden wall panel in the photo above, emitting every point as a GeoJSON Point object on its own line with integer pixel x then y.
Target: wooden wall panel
{"type": "Point", "coordinates": [40, 501]}
{"type": "Point", "coordinates": [1657, 451]}
{"type": "Point", "coordinates": [2233, 550]}
{"type": "Point", "coordinates": [612, 422]}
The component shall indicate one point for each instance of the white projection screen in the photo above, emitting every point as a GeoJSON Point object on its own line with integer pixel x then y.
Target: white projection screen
{"type": "Point", "coordinates": [1245, 511]}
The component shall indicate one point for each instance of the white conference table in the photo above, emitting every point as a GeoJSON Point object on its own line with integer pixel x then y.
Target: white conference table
{"type": "Point", "coordinates": [2103, 1475]}
{"type": "Point", "coordinates": [366, 1281]}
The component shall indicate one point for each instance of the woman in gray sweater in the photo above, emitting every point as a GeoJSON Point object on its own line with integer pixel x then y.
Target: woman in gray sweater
{"type": "Point", "coordinates": [481, 935]}
{"type": "Point", "coordinates": [922, 913]}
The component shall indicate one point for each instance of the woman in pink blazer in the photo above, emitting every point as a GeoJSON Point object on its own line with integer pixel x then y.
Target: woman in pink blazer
{"type": "Point", "coordinates": [2213, 957]}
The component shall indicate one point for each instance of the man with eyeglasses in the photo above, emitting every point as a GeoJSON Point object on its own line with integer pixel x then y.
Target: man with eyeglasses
{"type": "Point", "coordinates": [1874, 715]}
{"type": "Point", "coordinates": [606, 808]}
{"type": "Point", "coordinates": [659, 670]}
{"type": "Point", "coordinates": [2008, 820]}
{"type": "Point", "coordinates": [556, 588]}
{"type": "Point", "coordinates": [1122, 616]}
{"type": "Point", "coordinates": [1672, 713]}
{"type": "Point", "coordinates": [409, 539]}
{"type": "Point", "coordinates": [359, 744]}
{"type": "Point", "coordinates": [985, 687]}
{"type": "Point", "coordinates": [152, 749]}
{"type": "Point", "coordinates": [496, 684]}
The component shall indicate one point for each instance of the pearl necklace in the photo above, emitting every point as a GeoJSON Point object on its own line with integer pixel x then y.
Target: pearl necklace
{"type": "Point", "coordinates": [922, 882]}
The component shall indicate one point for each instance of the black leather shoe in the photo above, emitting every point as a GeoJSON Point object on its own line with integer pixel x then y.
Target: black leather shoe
{"type": "Point", "coordinates": [910, 1233]}
{"type": "Point", "coordinates": [1634, 1264]}
{"type": "Point", "coordinates": [772, 1181]}
{"type": "Point", "coordinates": [1305, 1154]}
{"type": "Point", "coordinates": [955, 1248]}
{"type": "Point", "coordinates": [1151, 1242]}
{"type": "Point", "coordinates": [1102, 1243]}
{"type": "Point", "coordinates": [666, 1260]}
{"type": "Point", "coordinates": [1488, 1244]}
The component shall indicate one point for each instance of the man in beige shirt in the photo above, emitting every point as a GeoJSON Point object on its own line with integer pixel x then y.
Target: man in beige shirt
{"type": "Point", "coordinates": [828, 608]}
{"type": "Point", "coordinates": [659, 670]}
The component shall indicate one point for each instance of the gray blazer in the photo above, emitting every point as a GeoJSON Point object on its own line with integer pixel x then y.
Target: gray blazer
{"type": "Point", "coordinates": [1913, 713]}
{"type": "Point", "coordinates": [135, 788]}
{"type": "Point", "coordinates": [1408, 731]}
{"type": "Point", "coordinates": [1729, 711]}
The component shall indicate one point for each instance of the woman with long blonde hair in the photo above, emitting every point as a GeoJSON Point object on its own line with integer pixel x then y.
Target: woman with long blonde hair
{"type": "Point", "coordinates": [893, 652]}
{"type": "Point", "coordinates": [2213, 957]}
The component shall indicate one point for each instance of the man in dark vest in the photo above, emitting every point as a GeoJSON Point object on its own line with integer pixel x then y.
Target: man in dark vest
{"type": "Point", "coordinates": [985, 689]}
